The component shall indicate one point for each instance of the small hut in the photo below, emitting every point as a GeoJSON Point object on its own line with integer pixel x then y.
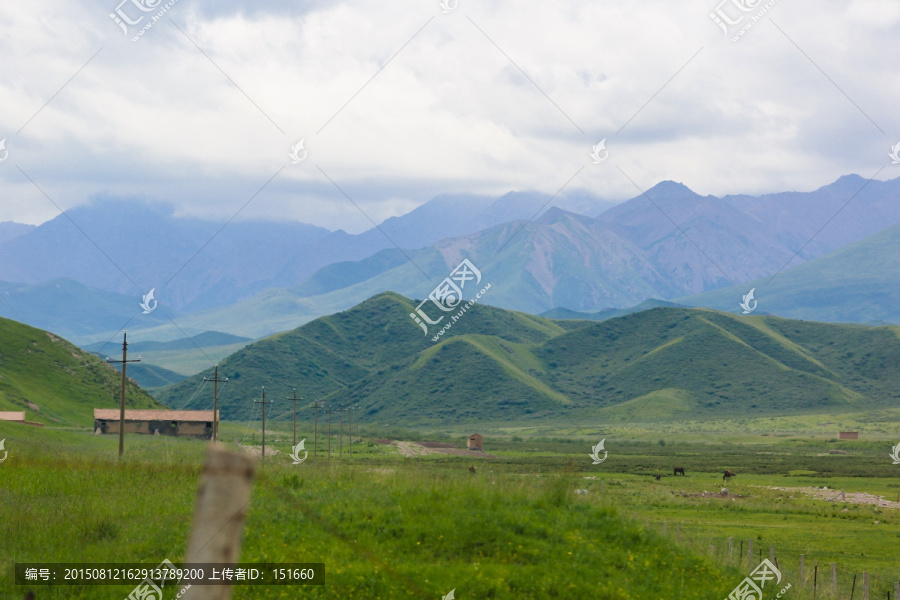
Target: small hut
{"type": "Point", "coordinates": [181, 423]}
{"type": "Point", "coordinates": [13, 416]}
{"type": "Point", "coordinates": [848, 435]}
{"type": "Point", "coordinates": [475, 442]}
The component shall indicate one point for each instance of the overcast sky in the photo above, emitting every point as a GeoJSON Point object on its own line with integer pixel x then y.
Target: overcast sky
{"type": "Point", "coordinates": [398, 101]}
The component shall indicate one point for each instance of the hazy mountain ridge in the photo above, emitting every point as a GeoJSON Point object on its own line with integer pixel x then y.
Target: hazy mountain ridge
{"type": "Point", "coordinates": [668, 243]}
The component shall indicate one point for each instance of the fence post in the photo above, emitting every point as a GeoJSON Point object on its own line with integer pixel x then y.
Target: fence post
{"type": "Point", "coordinates": [741, 557]}
{"type": "Point", "coordinates": [815, 580]}
{"type": "Point", "coordinates": [853, 587]}
{"type": "Point", "coordinates": [802, 569]}
{"type": "Point", "coordinates": [730, 548]}
{"type": "Point", "coordinates": [750, 549]}
{"type": "Point", "coordinates": [834, 579]}
{"type": "Point", "coordinates": [771, 553]}
{"type": "Point", "coordinates": [222, 500]}
{"type": "Point", "coordinates": [865, 585]}
{"type": "Point", "coordinates": [897, 590]}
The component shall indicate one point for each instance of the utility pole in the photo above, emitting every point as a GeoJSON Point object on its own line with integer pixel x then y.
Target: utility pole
{"type": "Point", "coordinates": [316, 432]}
{"type": "Point", "coordinates": [215, 379]}
{"type": "Point", "coordinates": [350, 416]}
{"type": "Point", "coordinates": [341, 437]}
{"type": "Point", "coordinates": [357, 423]}
{"type": "Point", "coordinates": [263, 402]}
{"type": "Point", "coordinates": [295, 415]}
{"type": "Point", "coordinates": [124, 362]}
{"type": "Point", "coordinates": [329, 433]}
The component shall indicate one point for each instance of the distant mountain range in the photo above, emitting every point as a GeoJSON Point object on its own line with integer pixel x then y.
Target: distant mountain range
{"type": "Point", "coordinates": [859, 283]}
{"type": "Point", "coordinates": [129, 247]}
{"type": "Point", "coordinates": [256, 278]}
{"type": "Point", "coordinates": [497, 366]}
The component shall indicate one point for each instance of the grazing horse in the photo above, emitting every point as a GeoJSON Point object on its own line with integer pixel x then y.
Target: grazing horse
{"type": "Point", "coordinates": [657, 476]}
{"type": "Point", "coordinates": [678, 470]}
{"type": "Point", "coordinates": [728, 475]}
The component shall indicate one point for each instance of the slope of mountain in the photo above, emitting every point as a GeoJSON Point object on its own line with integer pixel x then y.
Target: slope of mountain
{"type": "Point", "coordinates": [607, 313]}
{"type": "Point", "coordinates": [74, 310]}
{"type": "Point", "coordinates": [10, 230]}
{"type": "Point", "coordinates": [857, 284]}
{"type": "Point", "coordinates": [56, 383]}
{"type": "Point", "coordinates": [150, 376]}
{"type": "Point", "coordinates": [151, 247]}
{"type": "Point", "coordinates": [497, 365]}
{"type": "Point", "coordinates": [207, 339]}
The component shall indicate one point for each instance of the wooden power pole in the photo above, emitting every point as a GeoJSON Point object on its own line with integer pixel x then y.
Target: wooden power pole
{"type": "Point", "coordinates": [124, 362]}
{"type": "Point", "coordinates": [295, 416]}
{"type": "Point", "coordinates": [316, 433]}
{"type": "Point", "coordinates": [263, 402]}
{"type": "Point", "coordinates": [329, 433]}
{"type": "Point", "coordinates": [215, 379]}
{"type": "Point", "coordinates": [350, 420]}
{"type": "Point", "coordinates": [341, 436]}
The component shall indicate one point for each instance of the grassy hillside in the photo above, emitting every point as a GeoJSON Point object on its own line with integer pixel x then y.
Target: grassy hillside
{"type": "Point", "coordinates": [56, 383]}
{"type": "Point", "coordinates": [497, 365]}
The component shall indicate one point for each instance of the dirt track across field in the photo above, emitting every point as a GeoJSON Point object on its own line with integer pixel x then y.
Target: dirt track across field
{"type": "Point", "coordinates": [849, 497]}
{"type": "Point", "coordinates": [413, 449]}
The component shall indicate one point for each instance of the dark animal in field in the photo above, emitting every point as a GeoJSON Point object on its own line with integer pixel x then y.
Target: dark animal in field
{"type": "Point", "coordinates": [678, 470]}
{"type": "Point", "coordinates": [728, 475]}
{"type": "Point", "coordinates": [657, 476]}
{"type": "Point", "coordinates": [472, 469]}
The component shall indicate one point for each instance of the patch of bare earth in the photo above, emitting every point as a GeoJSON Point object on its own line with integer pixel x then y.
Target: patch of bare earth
{"type": "Point", "coordinates": [838, 496]}
{"type": "Point", "coordinates": [257, 450]}
{"type": "Point", "coordinates": [413, 449]}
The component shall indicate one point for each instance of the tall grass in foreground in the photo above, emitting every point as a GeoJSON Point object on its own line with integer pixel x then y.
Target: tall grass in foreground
{"type": "Point", "coordinates": [385, 531]}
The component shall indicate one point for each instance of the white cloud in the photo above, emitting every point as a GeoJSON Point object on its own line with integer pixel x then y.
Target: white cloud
{"type": "Point", "coordinates": [448, 113]}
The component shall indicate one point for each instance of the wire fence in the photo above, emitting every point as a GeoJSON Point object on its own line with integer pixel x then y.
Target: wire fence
{"type": "Point", "coordinates": [809, 579]}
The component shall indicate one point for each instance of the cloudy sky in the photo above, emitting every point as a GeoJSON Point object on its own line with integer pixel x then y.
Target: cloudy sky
{"type": "Point", "coordinates": [397, 101]}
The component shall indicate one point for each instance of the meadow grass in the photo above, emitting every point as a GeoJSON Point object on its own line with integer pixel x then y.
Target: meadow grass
{"type": "Point", "coordinates": [393, 527]}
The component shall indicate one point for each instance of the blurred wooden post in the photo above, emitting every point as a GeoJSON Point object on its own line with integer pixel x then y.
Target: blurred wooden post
{"type": "Point", "coordinates": [222, 500]}
{"type": "Point", "coordinates": [897, 590]}
{"type": "Point", "coordinates": [834, 579]}
{"type": "Point", "coordinates": [771, 553]}
{"type": "Point", "coordinates": [750, 549]}
{"type": "Point", "coordinates": [802, 570]}
{"type": "Point", "coordinates": [865, 585]}
{"type": "Point", "coordinates": [853, 587]}
{"type": "Point", "coordinates": [741, 557]}
{"type": "Point", "coordinates": [815, 580]}
{"type": "Point", "coordinates": [730, 548]}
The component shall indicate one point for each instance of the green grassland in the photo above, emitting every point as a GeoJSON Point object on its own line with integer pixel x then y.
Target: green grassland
{"type": "Point", "coordinates": [387, 526]}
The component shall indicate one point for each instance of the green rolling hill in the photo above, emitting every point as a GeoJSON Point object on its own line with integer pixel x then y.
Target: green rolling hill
{"type": "Point", "coordinates": [499, 365]}
{"type": "Point", "coordinates": [56, 383]}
